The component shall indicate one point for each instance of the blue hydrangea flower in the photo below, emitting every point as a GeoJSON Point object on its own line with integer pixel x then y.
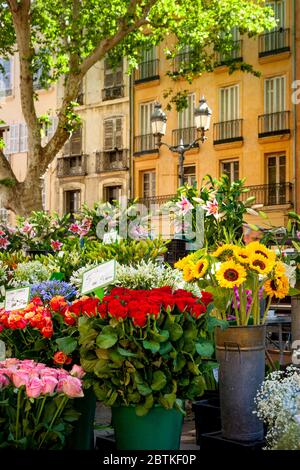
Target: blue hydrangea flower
{"type": "Point", "coordinates": [48, 289]}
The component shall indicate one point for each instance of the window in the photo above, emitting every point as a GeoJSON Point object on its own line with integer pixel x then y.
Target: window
{"type": "Point", "coordinates": [236, 52]}
{"type": "Point", "coordinates": [149, 184]}
{"type": "Point", "coordinates": [189, 175]}
{"type": "Point", "coordinates": [23, 138]}
{"type": "Point", "coordinates": [146, 109]}
{"type": "Point", "coordinates": [51, 128]}
{"type": "Point", "coordinates": [278, 7]}
{"type": "Point", "coordinates": [231, 169]}
{"type": "Point", "coordinates": [3, 215]}
{"type": "Point", "coordinates": [148, 65]}
{"type": "Point", "coordinates": [14, 138]}
{"type": "Point", "coordinates": [113, 76]}
{"type": "Point", "coordinates": [186, 116]}
{"type": "Point", "coordinates": [229, 103]}
{"type": "Point", "coordinates": [5, 77]}
{"type": "Point", "coordinates": [276, 178]}
{"type": "Point", "coordinates": [112, 193]}
{"type": "Point", "coordinates": [74, 145]}
{"type": "Point", "coordinates": [274, 98]}
{"type": "Point", "coordinates": [113, 133]}
{"type": "Point", "coordinates": [72, 201]}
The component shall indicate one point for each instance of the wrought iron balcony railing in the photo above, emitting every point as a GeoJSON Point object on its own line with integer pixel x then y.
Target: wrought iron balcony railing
{"type": "Point", "coordinates": [75, 165]}
{"type": "Point", "coordinates": [274, 42]}
{"type": "Point", "coordinates": [144, 144]}
{"type": "Point", "coordinates": [112, 160]}
{"type": "Point", "coordinates": [147, 71]}
{"type": "Point", "coordinates": [187, 134]}
{"type": "Point", "coordinates": [113, 92]}
{"type": "Point", "coordinates": [235, 54]}
{"type": "Point", "coordinates": [155, 200]}
{"type": "Point", "coordinates": [228, 131]}
{"type": "Point", "coordinates": [274, 124]}
{"type": "Point", "coordinates": [271, 194]}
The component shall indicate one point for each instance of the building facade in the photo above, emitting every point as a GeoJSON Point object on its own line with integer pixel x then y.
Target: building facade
{"type": "Point", "coordinates": [252, 132]}
{"type": "Point", "coordinates": [94, 164]}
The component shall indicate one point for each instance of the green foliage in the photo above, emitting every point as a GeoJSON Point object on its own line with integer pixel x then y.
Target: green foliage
{"type": "Point", "coordinates": [159, 364]}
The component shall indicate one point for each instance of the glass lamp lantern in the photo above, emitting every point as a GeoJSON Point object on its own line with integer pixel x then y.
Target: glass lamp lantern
{"type": "Point", "coordinates": [158, 121]}
{"type": "Point", "coordinates": [202, 115]}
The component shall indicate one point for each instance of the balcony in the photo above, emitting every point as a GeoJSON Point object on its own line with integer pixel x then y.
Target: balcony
{"type": "Point", "coordinates": [144, 144]}
{"type": "Point", "coordinates": [156, 200]}
{"type": "Point", "coordinates": [274, 124]}
{"type": "Point", "coordinates": [113, 92]}
{"type": "Point", "coordinates": [236, 54]}
{"type": "Point", "coordinates": [271, 194]}
{"type": "Point", "coordinates": [274, 42]}
{"type": "Point", "coordinates": [182, 61]}
{"type": "Point", "coordinates": [75, 165]}
{"type": "Point", "coordinates": [147, 71]}
{"type": "Point", "coordinates": [112, 160]}
{"type": "Point", "coordinates": [187, 134]}
{"type": "Point", "coordinates": [228, 131]}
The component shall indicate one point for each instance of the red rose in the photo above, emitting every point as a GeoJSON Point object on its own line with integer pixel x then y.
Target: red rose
{"type": "Point", "coordinates": [58, 303]}
{"type": "Point", "coordinates": [198, 310]}
{"type": "Point", "coordinates": [76, 307]}
{"type": "Point", "coordinates": [89, 306]}
{"type": "Point", "coordinates": [206, 297]}
{"type": "Point", "coordinates": [61, 358]}
{"type": "Point", "coordinates": [37, 301]}
{"type": "Point", "coordinates": [102, 310]}
{"type": "Point", "coordinates": [69, 318]}
{"type": "Point", "coordinates": [117, 310]}
{"type": "Point", "coordinates": [47, 331]}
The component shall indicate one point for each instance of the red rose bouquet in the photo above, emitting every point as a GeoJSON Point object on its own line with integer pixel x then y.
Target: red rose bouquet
{"type": "Point", "coordinates": [145, 347]}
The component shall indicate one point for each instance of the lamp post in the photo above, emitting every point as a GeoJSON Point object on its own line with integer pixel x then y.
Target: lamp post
{"type": "Point", "coordinates": [202, 116]}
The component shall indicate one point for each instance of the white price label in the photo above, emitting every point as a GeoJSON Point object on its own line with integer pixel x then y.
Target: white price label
{"type": "Point", "coordinates": [100, 276]}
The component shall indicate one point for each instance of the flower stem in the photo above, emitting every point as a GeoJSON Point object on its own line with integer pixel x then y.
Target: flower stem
{"type": "Point", "coordinates": [18, 413]}
{"type": "Point", "coordinates": [266, 310]}
{"type": "Point", "coordinates": [56, 415]}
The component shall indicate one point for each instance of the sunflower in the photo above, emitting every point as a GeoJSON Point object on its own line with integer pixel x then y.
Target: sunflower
{"type": "Point", "coordinates": [231, 274]}
{"type": "Point", "coordinates": [188, 272]}
{"type": "Point", "coordinates": [278, 287]}
{"type": "Point", "coordinates": [260, 249]}
{"type": "Point", "coordinates": [180, 264]}
{"type": "Point", "coordinates": [242, 255]}
{"type": "Point", "coordinates": [224, 252]}
{"type": "Point", "coordinates": [200, 268]}
{"type": "Point", "coordinates": [279, 269]}
{"type": "Point", "coordinates": [260, 264]}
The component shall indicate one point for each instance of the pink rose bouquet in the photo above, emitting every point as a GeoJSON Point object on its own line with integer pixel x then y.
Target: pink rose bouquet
{"type": "Point", "coordinates": [36, 404]}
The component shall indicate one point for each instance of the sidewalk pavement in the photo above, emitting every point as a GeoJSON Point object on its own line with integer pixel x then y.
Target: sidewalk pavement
{"type": "Point", "coordinates": [188, 436]}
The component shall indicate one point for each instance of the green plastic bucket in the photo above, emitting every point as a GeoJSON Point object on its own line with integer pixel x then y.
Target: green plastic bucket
{"type": "Point", "coordinates": [160, 429]}
{"type": "Point", "coordinates": [82, 437]}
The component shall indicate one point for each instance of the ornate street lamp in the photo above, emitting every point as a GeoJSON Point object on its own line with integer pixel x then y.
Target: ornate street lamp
{"type": "Point", "coordinates": [202, 115]}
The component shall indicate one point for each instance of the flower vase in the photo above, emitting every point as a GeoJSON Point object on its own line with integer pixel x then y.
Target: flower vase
{"type": "Point", "coordinates": [240, 351]}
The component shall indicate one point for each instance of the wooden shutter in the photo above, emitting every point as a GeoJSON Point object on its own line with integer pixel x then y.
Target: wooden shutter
{"type": "Point", "coordinates": [108, 74]}
{"type": "Point", "coordinates": [119, 133]}
{"type": "Point", "coordinates": [76, 142]}
{"type": "Point", "coordinates": [274, 95]}
{"type": "Point", "coordinates": [108, 131]}
{"type": "Point", "coordinates": [229, 103]}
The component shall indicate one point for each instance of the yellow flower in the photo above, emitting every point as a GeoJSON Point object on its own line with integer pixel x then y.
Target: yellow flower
{"type": "Point", "coordinates": [260, 264]}
{"type": "Point", "coordinates": [278, 287]}
{"type": "Point", "coordinates": [188, 272]}
{"type": "Point", "coordinates": [260, 249]}
{"type": "Point", "coordinates": [279, 269]}
{"type": "Point", "coordinates": [200, 268]}
{"type": "Point", "coordinates": [180, 264]}
{"type": "Point", "coordinates": [231, 274]}
{"type": "Point", "coordinates": [241, 254]}
{"type": "Point", "coordinates": [224, 252]}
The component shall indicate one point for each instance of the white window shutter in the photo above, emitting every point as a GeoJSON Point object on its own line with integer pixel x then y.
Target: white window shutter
{"type": "Point", "coordinates": [23, 137]}
{"type": "Point", "coordinates": [14, 133]}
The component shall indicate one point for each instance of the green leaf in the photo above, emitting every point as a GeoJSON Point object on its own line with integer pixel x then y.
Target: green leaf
{"type": "Point", "coordinates": [168, 400]}
{"type": "Point", "coordinates": [67, 344]}
{"type": "Point", "coordinates": [153, 346]}
{"type": "Point", "coordinates": [205, 348]}
{"type": "Point", "coordinates": [293, 291]}
{"type": "Point", "coordinates": [159, 380]}
{"type": "Point", "coordinates": [162, 336]}
{"type": "Point", "coordinates": [142, 410]}
{"type": "Point", "coordinates": [107, 338]}
{"type": "Point", "coordinates": [165, 348]}
{"type": "Point", "coordinates": [176, 331]}
{"type": "Point", "coordinates": [124, 352]}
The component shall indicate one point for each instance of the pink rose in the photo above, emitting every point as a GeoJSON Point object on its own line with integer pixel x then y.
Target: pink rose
{"type": "Point", "coordinates": [10, 361]}
{"type": "Point", "coordinates": [3, 381]}
{"type": "Point", "coordinates": [34, 387]}
{"type": "Point", "coordinates": [77, 371]}
{"type": "Point", "coordinates": [48, 384]}
{"type": "Point", "coordinates": [20, 378]}
{"type": "Point", "coordinates": [71, 387]}
{"type": "Point", "coordinates": [47, 371]}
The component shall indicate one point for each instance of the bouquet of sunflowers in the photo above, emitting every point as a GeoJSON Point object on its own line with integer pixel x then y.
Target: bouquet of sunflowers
{"type": "Point", "coordinates": [239, 277]}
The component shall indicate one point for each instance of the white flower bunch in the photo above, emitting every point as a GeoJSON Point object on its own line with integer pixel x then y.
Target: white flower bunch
{"type": "Point", "coordinates": [29, 273]}
{"type": "Point", "coordinates": [3, 273]}
{"type": "Point", "coordinates": [278, 405]}
{"type": "Point", "coordinates": [150, 275]}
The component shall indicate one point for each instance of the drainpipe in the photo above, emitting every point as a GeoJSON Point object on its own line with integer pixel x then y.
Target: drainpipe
{"type": "Point", "coordinates": [131, 136]}
{"type": "Point", "coordinates": [294, 77]}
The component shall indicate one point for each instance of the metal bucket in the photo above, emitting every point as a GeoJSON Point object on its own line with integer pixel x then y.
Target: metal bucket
{"type": "Point", "coordinates": [240, 351]}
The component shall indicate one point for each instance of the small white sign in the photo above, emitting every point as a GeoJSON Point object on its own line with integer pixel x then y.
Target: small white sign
{"type": "Point", "coordinates": [216, 374]}
{"type": "Point", "coordinates": [110, 237]}
{"type": "Point", "coordinates": [97, 277]}
{"type": "Point", "coordinates": [16, 299]}
{"type": "Point", "coordinates": [2, 350]}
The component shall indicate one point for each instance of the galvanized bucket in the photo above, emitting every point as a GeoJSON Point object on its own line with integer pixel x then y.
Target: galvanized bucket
{"type": "Point", "coordinates": [240, 351]}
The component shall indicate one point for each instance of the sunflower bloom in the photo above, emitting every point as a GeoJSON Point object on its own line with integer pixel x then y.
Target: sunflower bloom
{"type": "Point", "coordinates": [180, 264]}
{"type": "Point", "coordinates": [278, 288]}
{"type": "Point", "coordinates": [260, 249]}
{"type": "Point", "coordinates": [200, 268]}
{"type": "Point", "coordinates": [188, 272]}
{"type": "Point", "coordinates": [231, 274]}
{"type": "Point", "coordinates": [261, 264]}
{"type": "Point", "coordinates": [279, 269]}
{"type": "Point", "coordinates": [224, 252]}
{"type": "Point", "coordinates": [242, 255]}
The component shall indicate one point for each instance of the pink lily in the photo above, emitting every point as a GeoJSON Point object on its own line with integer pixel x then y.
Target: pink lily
{"type": "Point", "coordinates": [184, 205]}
